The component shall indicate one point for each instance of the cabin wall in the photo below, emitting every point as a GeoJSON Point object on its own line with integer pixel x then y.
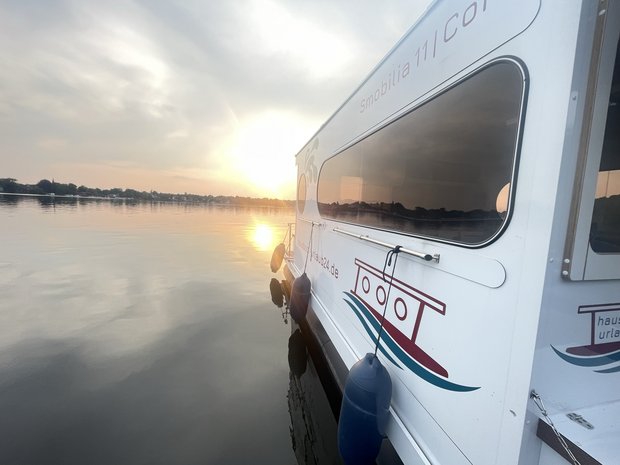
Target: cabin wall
{"type": "Point", "coordinates": [544, 188]}
{"type": "Point", "coordinates": [566, 319]}
{"type": "Point", "coordinates": [491, 296]}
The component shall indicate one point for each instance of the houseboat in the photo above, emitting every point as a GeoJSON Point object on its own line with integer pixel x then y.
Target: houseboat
{"type": "Point", "coordinates": [459, 215]}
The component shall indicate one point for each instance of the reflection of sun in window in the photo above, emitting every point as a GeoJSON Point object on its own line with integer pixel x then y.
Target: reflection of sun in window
{"type": "Point", "coordinates": [608, 183]}
{"type": "Point", "coordinates": [350, 189]}
{"type": "Point", "coordinates": [262, 237]}
{"type": "Point", "coordinates": [501, 203]}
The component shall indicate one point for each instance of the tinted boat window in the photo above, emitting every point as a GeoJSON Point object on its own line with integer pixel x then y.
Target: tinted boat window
{"type": "Point", "coordinates": [605, 228]}
{"type": "Point", "coordinates": [442, 171]}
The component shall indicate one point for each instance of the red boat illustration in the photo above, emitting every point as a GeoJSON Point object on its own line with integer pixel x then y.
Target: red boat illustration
{"type": "Point", "coordinates": [404, 312]}
{"type": "Point", "coordinates": [604, 333]}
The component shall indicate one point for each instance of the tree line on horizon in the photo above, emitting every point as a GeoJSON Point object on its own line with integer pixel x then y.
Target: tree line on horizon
{"type": "Point", "coordinates": [47, 187]}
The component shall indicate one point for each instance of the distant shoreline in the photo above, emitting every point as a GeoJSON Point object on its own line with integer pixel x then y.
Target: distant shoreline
{"type": "Point", "coordinates": [223, 201]}
{"type": "Point", "coordinates": [47, 188]}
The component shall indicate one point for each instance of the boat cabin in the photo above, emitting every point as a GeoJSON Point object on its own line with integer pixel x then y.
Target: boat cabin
{"type": "Point", "coordinates": [464, 201]}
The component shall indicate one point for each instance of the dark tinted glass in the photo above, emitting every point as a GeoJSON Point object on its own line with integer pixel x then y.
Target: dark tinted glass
{"type": "Point", "coordinates": [442, 171]}
{"type": "Point", "coordinates": [605, 229]}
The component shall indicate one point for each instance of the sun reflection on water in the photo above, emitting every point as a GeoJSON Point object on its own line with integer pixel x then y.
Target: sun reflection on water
{"type": "Point", "coordinates": [262, 237]}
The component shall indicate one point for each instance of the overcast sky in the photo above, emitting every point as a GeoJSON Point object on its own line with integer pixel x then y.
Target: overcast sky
{"type": "Point", "coordinates": [208, 97]}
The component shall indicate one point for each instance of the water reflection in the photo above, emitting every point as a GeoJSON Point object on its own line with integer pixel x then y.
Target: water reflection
{"type": "Point", "coordinates": [262, 237]}
{"type": "Point", "coordinates": [280, 296]}
{"type": "Point", "coordinates": [297, 353]}
{"type": "Point", "coordinates": [9, 200]}
{"type": "Point", "coordinates": [313, 425]}
{"type": "Point", "coordinates": [138, 334]}
{"type": "Point", "coordinates": [50, 202]}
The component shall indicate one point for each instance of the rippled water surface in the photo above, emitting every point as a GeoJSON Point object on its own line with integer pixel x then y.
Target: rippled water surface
{"type": "Point", "coordinates": [135, 334]}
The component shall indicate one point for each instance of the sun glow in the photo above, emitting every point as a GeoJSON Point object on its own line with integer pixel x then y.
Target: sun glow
{"type": "Point", "coordinates": [262, 237]}
{"type": "Point", "coordinates": [262, 152]}
{"type": "Point", "coordinates": [320, 53]}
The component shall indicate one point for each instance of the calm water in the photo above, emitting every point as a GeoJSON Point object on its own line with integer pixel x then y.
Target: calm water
{"type": "Point", "coordinates": [141, 334]}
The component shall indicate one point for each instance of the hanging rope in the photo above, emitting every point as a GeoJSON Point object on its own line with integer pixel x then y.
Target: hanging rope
{"type": "Point", "coordinates": [392, 253]}
{"type": "Point", "coordinates": [309, 247]}
{"type": "Point", "coordinates": [286, 234]}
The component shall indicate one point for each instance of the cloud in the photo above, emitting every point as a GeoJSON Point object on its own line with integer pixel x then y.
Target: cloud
{"type": "Point", "coordinates": [165, 85]}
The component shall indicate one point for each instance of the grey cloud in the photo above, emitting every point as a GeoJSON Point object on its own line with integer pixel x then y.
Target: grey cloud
{"type": "Point", "coordinates": [59, 87]}
{"type": "Point", "coordinates": [251, 80]}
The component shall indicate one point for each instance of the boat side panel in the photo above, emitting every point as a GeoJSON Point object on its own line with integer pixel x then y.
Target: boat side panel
{"type": "Point", "coordinates": [485, 337]}
{"type": "Point", "coordinates": [456, 35]}
{"type": "Point", "coordinates": [577, 364]}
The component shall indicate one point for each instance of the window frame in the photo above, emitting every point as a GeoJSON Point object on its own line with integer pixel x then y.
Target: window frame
{"type": "Point", "coordinates": [581, 262]}
{"type": "Point", "coordinates": [520, 65]}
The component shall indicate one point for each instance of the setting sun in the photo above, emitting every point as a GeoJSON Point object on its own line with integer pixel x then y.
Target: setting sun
{"type": "Point", "coordinates": [261, 153]}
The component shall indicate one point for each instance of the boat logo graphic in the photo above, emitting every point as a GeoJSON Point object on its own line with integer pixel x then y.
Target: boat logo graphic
{"type": "Point", "coordinates": [309, 163]}
{"type": "Point", "coordinates": [603, 353]}
{"type": "Point", "coordinates": [402, 323]}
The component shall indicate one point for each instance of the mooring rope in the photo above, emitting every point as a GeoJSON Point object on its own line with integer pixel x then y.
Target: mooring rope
{"type": "Point", "coordinates": [309, 247]}
{"type": "Point", "coordinates": [286, 249]}
{"type": "Point", "coordinates": [285, 234]}
{"type": "Point", "coordinates": [392, 253]}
